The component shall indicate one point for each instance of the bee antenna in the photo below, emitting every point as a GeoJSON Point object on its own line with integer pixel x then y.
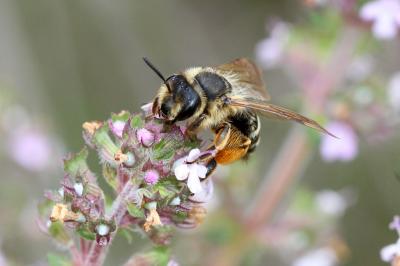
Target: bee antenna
{"type": "Point", "coordinates": [149, 64]}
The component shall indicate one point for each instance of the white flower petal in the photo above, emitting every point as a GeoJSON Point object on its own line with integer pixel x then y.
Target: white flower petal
{"type": "Point", "coordinates": [389, 252]}
{"type": "Point", "coordinates": [207, 192]}
{"type": "Point", "coordinates": [181, 172]}
{"type": "Point", "coordinates": [384, 28]}
{"type": "Point", "coordinates": [193, 155]}
{"type": "Point", "coordinates": [201, 170]}
{"type": "Point", "coordinates": [194, 183]}
{"type": "Point", "coordinates": [78, 187]}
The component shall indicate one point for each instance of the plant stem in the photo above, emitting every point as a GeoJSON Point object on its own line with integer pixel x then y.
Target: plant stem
{"type": "Point", "coordinates": [97, 252]}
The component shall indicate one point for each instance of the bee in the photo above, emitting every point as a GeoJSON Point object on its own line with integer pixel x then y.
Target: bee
{"type": "Point", "coordinates": [226, 99]}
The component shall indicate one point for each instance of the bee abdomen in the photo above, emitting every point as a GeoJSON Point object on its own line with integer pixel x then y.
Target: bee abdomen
{"type": "Point", "coordinates": [249, 124]}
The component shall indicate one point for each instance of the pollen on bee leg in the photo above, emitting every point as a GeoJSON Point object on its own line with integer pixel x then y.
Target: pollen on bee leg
{"type": "Point", "coordinates": [91, 127]}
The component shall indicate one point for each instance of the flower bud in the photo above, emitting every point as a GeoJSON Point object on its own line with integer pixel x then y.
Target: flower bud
{"type": "Point", "coordinates": [145, 137]}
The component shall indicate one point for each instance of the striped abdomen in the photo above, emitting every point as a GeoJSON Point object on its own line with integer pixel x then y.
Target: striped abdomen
{"type": "Point", "coordinates": [248, 123]}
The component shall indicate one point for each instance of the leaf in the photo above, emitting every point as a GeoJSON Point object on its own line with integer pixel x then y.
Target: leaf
{"type": "Point", "coordinates": [140, 193]}
{"type": "Point", "coordinates": [121, 116]}
{"type": "Point", "coordinates": [135, 211]}
{"type": "Point", "coordinates": [165, 149]}
{"type": "Point", "coordinates": [57, 260]}
{"type": "Point", "coordinates": [160, 255]}
{"type": "Point", "coordinates": [76, 164]}
{"type": "Point", "coordinates": [86, 234]}
{"type": "Point", "coordinates": [58, 232]}
{"type": "Point", "coordinates": [137, 122]}
{"type": "Point", "coordinates": [110, 174]}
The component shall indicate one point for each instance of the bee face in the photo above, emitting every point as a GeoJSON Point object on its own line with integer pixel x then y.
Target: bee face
{"type": "Point", "coordinates": [176, 100]}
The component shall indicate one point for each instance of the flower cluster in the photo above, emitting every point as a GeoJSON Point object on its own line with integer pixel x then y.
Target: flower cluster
{"type": "Point", "coordinates": [154, 171]}
{"type": "Point", "coordinates": [391, 253]}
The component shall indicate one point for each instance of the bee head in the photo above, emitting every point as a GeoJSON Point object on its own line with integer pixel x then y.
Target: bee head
{"type": "Point", "coordinates": [176, 99]}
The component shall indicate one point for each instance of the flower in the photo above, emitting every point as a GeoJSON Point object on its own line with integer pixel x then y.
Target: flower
{"type": "Point", "coordinates": [117, 127]}
{"type": "Point", "coordinates": [319, 257]}
{"type": "Point", "coordinates": [331, 202]}
{"type": "Point", "coordinates": [395, 224]}
{"type": "Point", "coordinates": [31, 149]}
{"type": "Point", "coordinates": [390, 252]}
{"type": "Point", "coordinates": [343, 149]}
{"type": "Point", "coordinates": [145, 136]}
{"type": "Point", "coordinates": [151, 177]}
{"type": "Point", "coordinates": [187, 168]}
{"type": "Point", "coordinates": [269, 51]}
{"type": "Point", "coordinates": [385, 17]}
{"type": "Point", "coordinates": [394, 92]}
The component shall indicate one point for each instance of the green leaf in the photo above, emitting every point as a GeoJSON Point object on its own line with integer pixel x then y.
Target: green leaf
{"type": "Point", "coordinates": [160, 255]}
{"type": "Point", "coordinates": [58, 232]}
{"type": "Point", "coordinates": [103, 141]}
{"type": "Point", "coordinates": [121, 116]}
{"type": "Point", "coordinates": [137, 122]}
{"type": "Point", "coordinates": [135, 211]}
{"type": "Point", "coordinates": [76, 164]}
{"type": "Point", "coordinates": [165, 149]}
{"type": "Point", "coordinates": [57, 260]}
{"type": "Point", "coordinates": [86, 234]}
{"type": "Point", "coordinates": [110, 175]}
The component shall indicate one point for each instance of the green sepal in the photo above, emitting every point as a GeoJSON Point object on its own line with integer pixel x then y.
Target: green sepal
{"type": "Point", "coordinates": [58, 232]}
{"type": "Point", "coordinates": [85, 233]}
{"type": "Point", "coordinates": [165, 149]}
{"type": "Point", "coordinates": [137, 122]}
{"type": "Point", "coordinates": [135, 211]}
{"type": "Point", "coordinates": [110, 175]}
{"type": "Point", "coordinates": [121, 116]}
{"type": "Point", "coordinates": [76, 164]}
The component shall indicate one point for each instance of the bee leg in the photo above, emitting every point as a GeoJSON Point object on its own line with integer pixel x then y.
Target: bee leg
{"type": "Point", "coordinates": [231, 144]}
{"type": "Point", "coordinates": [192, 127]}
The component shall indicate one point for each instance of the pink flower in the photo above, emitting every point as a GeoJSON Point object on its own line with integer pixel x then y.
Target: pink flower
{"type": "Point", "coordinates": [117, 127]}
{"type": "Point", "coordinates": [145, 136]}
{"type": "Point", "coordinates": [269, 51]}
{"type": "Point", "coordinates": [187, 168]}
{"type": "Point", "coordinates": [343, 149]}
{"type": "Point", "coordinates": [31, 149]}
{"type": "Point", "coordinates": [385, 17]}
{"type": "Point", "coordinates": [151, 177]}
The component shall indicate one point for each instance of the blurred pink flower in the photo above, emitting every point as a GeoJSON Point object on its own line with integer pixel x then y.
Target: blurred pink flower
{"type": "Point", "coordinates": [343, 149]}
{"type": "Point", "coordinates": [31, 149]}
{"type": "Point", "coordinates": [269, 51]}
{"type": "Point", "coordinates": [385, 17]}
{"type": "Point", "coordinates": [394, 92]}
{"type": "Point", "coordinates": [146, 137]}
{"type": "Point", "coordinates": [187, 168]}
{"type": "Point", "coordinates": [117, 127]}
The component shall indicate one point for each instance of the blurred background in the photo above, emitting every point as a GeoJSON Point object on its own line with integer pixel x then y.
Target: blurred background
{"type": "Point", "coordinates": [330, 200]}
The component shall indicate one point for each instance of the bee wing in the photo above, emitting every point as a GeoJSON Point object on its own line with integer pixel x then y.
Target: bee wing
{"type": "Point", "coordinates": [249, 75]}
{"type": "Point", "coordinates": [277, 112]}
